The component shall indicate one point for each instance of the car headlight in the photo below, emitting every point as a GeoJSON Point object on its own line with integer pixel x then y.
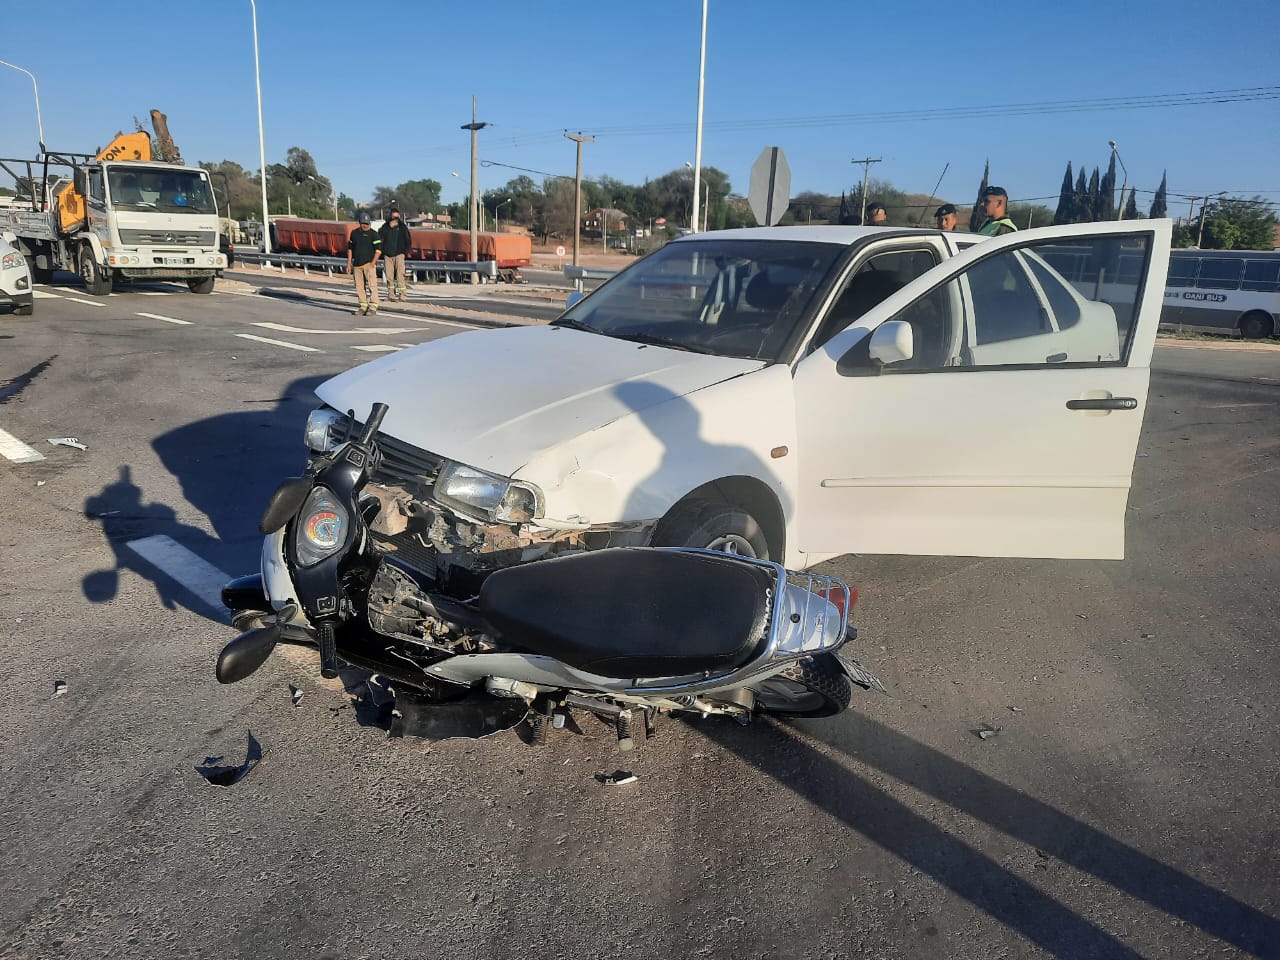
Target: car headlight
{"type": "Point", "coordinates": [478, 493]}
{"type": "Point", "coordinates": [12, 260]}
{"type": "Point", "coordinates": [317, 435]}
{"type": "Point", "coordinates": [321, 529]}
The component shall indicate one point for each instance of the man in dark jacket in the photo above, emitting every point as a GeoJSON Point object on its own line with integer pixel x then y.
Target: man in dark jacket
{"type": "Point", "coordinates": [363, 250]}
{"type": "Point", "coordinates": [395, 246]}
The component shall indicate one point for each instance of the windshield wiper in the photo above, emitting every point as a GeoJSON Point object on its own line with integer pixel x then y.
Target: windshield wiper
{"type": "Point", "coordinates": [574, 325]}
{"type": "Point", "coordinates": [657, 341]}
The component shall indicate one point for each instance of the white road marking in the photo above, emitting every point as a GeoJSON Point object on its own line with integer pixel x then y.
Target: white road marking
{"type": "Point", "coordinates": [87, 303]}
{"type": "Point", "coordinates": [193, 572]}
{"type": "Point", "coordinates": [278, 343]}
{"type": "Point", "coordinates": [156, 316]}
{"type": "Point", "coordinates": [379, 348]}
{"type": "Point", "coordinates": [17, 451]}
{"type": "Point", "coordinates": [285, 328]}
{"type": "Point", "coordinates": [447, 323]}
{"type": "Point", "coordinates": [45, 295]}
{"type": "Point", "coordinates": [154, 293]}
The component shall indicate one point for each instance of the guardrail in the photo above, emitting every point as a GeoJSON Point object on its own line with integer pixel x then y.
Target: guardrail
{"type": "Point", "coordinates": [487, 269]}
{"type": "Point", "coordinates": [578, 274]}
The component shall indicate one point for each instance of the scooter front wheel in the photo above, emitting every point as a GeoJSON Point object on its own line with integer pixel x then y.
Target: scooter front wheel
{"type": "Point", "coordinates": [813, 687]}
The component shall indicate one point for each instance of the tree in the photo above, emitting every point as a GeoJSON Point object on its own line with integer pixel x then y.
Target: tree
{"type": "Point", "coordinates": [1107, 192]}
{"type": "Point", "coordinates": [346, 206]}
{"type": "Point", "coordinates": [1237, 224]}
{"type": "Point", "coordinates": [1131, 207]}
{"type": "Point", "coordinates": [1066, 199]}
{"type": "Point", "coordinates": [1082, 208]}
{"type": "Point", "coordinates": [1159, 206]}
{"type": "Point", "coordinates": [1095, 201]}
{"type": "Point", "coordinates": [976, 218]}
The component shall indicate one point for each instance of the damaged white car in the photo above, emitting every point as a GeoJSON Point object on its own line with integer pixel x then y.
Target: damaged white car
{"type": "Point", "coordinates": [787, 393]}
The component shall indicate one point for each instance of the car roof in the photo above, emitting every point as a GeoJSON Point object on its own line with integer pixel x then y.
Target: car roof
{"type": "Point", "coordinates": [811, 234]}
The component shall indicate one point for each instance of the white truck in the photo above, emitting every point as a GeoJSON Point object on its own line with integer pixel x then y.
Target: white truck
{"type": "Point", "coordinates": [114, 218]}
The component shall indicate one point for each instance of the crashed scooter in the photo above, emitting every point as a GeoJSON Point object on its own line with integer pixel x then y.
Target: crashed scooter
{"type": "Point", "coordinates": [623, 633]}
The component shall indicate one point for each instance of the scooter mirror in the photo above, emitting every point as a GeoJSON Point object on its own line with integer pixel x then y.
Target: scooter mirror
{"type": "Point", "coordinates": [284, 503]}
{"type": "Point", "coordinates": [246, 653]}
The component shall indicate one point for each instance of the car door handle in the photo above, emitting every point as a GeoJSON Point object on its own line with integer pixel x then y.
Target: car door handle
{"type": "Point", "coordinates": [1104, 403]}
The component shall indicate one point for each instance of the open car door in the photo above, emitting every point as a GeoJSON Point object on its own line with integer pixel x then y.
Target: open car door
{"type": "Point", "coordinates": [992, 407]}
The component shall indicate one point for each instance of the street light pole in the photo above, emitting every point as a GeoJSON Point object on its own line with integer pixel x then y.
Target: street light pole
{"type": "Point", "coordinates": [36, 88]}
{"type": "Point", "coordinates": [496, 208]}
{"type": "Point", "coordinates": [697, 150]}
{"type": "Point", "coordinates": [579, 139]}
{"type": "Point", "coordinates": [262, 143]}
{"type": "Point", "coordinates": [474, 126]}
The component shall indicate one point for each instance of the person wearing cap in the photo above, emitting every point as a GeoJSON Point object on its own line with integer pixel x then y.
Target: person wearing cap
{"type": "Point", "coordinates": [362, 254]}
{"type": "Point", "coordinates": [877, 214]}
{"type": "Point", "coordinates": [995, 207]}
{"type": "Point", "coordinates": [945, 217]}
{"type": "Point", "coordinates": [395, 246]}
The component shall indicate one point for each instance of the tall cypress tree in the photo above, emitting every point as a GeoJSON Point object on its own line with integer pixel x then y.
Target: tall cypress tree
{"type": "Point", "coordinates": [976, 218]}
{"type": "Point", "coordinates": [1066, 199]}
{"type": "Point", "coordinates": [1131, 207]}
{"type": "Point", "coordinates": [1080, 209]}
{"type": "Point", "coordinates": [1107, 192]}
{"type": "Point", "coordinates": [1095, 201]}
{"type": "Point", "coordinates": [1160, 206]}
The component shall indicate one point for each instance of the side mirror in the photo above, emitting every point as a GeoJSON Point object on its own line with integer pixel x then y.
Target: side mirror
{"type": "Point", "coordinates": [574, 297]}
{"type": "Point", "coordinates": [892, 342]}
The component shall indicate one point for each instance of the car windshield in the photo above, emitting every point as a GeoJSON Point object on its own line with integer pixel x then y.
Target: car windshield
{"type": "Point", "coordinates": [176, 191]}
{"type": "Point", "coordinates": [730, 298]}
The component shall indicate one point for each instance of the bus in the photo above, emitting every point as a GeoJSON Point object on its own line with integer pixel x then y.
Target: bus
{"type": "Point", "coordinates": [1224, 290]}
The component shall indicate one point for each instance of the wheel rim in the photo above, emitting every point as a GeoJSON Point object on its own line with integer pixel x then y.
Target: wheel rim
{"type": "Point", "coordinates": [780, 695]}
{"type": "Point", "coordinates": [733, 543]}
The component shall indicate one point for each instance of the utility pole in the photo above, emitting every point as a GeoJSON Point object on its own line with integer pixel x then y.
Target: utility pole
{"type": "Point", "coordinates": [866, 172]}
{"type": "Point", "coordinates": [697, 150]}
{"type": "Point", "coordinates": [474, 126]}
{"type": "Point", "coordinates": [579, 139]}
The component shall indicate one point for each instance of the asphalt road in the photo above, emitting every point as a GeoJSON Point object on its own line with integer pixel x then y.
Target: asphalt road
{"type": "Point", "coordinates": [1128, 804]}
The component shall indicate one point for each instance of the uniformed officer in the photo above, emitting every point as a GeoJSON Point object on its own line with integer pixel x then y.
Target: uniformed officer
{"type": "Point", "coordinates": [995, 205]}
{"type": "Point", "coordinates": [362, 254]}
{"type": "Point", "coordinates": [945, 217]}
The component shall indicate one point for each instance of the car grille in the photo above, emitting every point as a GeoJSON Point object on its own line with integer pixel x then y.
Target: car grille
{"type": "Point", "coordinates": [198, 238]}
{"type": "Point", "coordinates": [401, 462]}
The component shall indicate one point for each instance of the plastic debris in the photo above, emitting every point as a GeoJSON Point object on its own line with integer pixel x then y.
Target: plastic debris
{"type": "Point", "coordinates": [68, 442]}
{"type": "Point", "coordinates": [1015, 709]}
{"type": "Point", "coordinates": [1083, 616]}
{"type": "Point", "coordinates": [226, 776]}
{"type": "Point", "coordinates": [1148, 636]}
{"type": "Point", "coordinates": [59, 688]}
{"type": "Point", "coordinates": [41, 483]}
{"type": "Point", "coordinates": [986, 731]}
{"type": "Point", "coordinates": [617, 778]}
{"type": "Point", "coordinates": [295, 694]}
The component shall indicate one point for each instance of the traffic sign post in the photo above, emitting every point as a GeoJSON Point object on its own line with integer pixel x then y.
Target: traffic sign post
{"type": "Point", "coordinates": [770, 191]}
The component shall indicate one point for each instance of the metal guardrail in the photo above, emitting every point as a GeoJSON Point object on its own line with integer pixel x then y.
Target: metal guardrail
{"type": "Point", "coordinates": [588, 273]}
{"type": "Point", "coordinates": [487, 269]}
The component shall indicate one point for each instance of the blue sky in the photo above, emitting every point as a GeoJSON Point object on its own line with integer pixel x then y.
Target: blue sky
{"type": "Point", "coordinates": [377, 92]}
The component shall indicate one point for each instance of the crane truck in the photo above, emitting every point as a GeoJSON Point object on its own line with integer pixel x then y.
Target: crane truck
{"type": "Point", "coordinates": [117, 216]}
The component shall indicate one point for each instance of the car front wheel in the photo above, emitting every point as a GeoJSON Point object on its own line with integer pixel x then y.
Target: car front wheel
{"type": "Point", "coordinates": [712, 525]}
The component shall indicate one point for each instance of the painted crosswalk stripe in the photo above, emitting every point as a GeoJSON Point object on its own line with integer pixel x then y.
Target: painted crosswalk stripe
{"type": "Point", "coordinates": [378, 348]}
{"type": "Point", "coordinates": [195, 573]}
{"type": "Point", "coordinates": [285, 328]}
{"type": "Point", "coordinates": [156, 316]}
{"type": "Point", "coordinates": [278, 343]}
{"type": "Point", "coordinates": [154, 293]}
{"type": "Point", "coordinates": [17, 451]}
{"type": "Point", "coordinates": [87, 303]}
{"type": "Point", "coordinates": [45, 295]}
{"type": "Point", "coordinates": [431, 320]}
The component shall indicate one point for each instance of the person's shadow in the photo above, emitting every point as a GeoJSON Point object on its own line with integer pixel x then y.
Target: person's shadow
{"type": "Point", "coordinates": [227, 467]}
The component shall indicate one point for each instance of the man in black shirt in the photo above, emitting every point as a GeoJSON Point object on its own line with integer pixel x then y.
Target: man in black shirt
{"type": "Point", "coordinates": [395, 245]}
{"type": "Point", "coordinates": [362, 254]}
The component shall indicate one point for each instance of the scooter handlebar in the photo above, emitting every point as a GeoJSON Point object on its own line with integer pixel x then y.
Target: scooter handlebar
{"type": "Point", "coordinates": [373, 423]}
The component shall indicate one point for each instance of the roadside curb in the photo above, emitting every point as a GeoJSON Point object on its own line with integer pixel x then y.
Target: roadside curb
{"type": "Point", "coordinates": [414, 310]}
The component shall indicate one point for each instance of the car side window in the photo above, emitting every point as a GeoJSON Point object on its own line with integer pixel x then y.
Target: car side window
{"type": "Point", "coordinates": [873, 282]}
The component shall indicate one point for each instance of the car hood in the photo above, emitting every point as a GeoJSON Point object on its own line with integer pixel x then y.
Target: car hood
{"type": "Point", "coordinates": [496, 398]}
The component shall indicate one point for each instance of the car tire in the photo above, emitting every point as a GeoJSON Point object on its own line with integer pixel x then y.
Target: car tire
{"type": "Point", "coordinates": [201, 284]}
{"type": "Point", "coordinates": [712, 525]}
{"type": "Point", "coordinates": [25, 310]}
{"type": "Point", "coordinates": [96, 282]}
{"type": "Point", "coordinates": [1256, 325]}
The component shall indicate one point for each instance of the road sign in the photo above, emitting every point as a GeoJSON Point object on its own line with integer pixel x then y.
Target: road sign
{"type": "Point", "coordinates": [559, 251]}
{"type": "Point", "coordinates": [770, 186]}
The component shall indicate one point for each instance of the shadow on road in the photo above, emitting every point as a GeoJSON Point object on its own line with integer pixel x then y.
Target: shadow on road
{"type": "Point", "coordinates": [863, 807]}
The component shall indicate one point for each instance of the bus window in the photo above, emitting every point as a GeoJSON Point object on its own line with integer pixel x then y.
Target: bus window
{"type": "Point", "coordinates": [1261, 275]}
{"type": "Point", "coordinates": [1182, 271]}
{"type": "Point", "coordinates": [1220, 273]}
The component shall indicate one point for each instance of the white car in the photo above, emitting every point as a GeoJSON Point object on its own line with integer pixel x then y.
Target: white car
{"type": "Point", "coordinates": [15, 278]}
{"type": "Point", "coordinates": [794, 393]}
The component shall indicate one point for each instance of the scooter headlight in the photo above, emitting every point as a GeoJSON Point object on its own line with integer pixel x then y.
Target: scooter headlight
{"type": "Point", "coordinates": [318, 435]}
{"type": "Point", "coordinates": [322, 528]}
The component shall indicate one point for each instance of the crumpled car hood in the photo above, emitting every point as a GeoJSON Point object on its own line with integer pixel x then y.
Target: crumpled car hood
{"type": "Point", "coordinates": [495, 398]}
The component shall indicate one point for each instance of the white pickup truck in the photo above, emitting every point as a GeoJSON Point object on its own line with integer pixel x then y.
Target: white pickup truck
{"type": "Point", "coordinates": [792, 393]}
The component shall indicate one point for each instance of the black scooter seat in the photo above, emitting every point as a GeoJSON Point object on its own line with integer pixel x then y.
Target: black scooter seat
{"type": "Point", "coordinates": [634, 612]}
